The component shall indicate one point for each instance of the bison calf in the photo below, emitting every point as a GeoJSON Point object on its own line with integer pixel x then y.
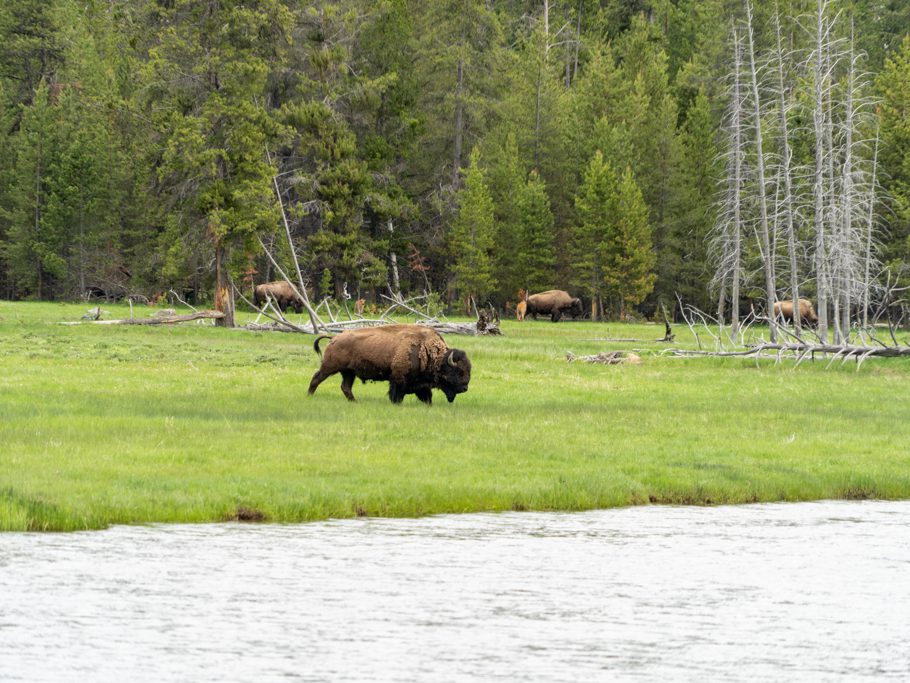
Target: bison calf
{"type": "Point", "coordinates": [281, 293]}
{"type": "Point", "coordinates": [554, 302]}
{"type": "Point", "coordinates": [521, 310]}
{"type": "Point", "coordinates": [414, 359]}
{"type": "Point", "coordinates": [784, 310]}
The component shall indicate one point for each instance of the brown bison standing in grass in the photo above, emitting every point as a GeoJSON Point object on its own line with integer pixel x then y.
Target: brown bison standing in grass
{"type": "Point", "coordinates": [784, 310]}
{"type": "Point", "coordinates": [281, 293]}
{"type": "Point", "coordinates": [414, 359]}
{"type": "Point", "coordinates": [555, 303]}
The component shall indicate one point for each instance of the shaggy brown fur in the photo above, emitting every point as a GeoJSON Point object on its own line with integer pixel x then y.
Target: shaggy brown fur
{"type": "Point", "coordinates": [554, 302]}
{"type": "Point", "coordinates": [784, 310]}
{"type": "Point", "coordinates": [414, 359]}
{"type": "Point", "coordinates": [281, 293]}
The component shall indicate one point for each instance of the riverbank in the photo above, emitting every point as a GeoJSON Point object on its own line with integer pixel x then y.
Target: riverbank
{"type": "Point", "coordinates": [105, 425]}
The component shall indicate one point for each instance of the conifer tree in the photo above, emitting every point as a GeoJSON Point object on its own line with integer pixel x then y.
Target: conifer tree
{"type": "Point", "coordinates": [208, 77]}
{"type": "Point", "coordinates": [594, 203]}
{"type": "Point", "coordinates": [537, 248]}
{"type": "Point", "coordinates": [894, 157]}
{"type": "Point", "coordinates": [627, 255]}
{"type": "Point", "coordinates": [472, 235]}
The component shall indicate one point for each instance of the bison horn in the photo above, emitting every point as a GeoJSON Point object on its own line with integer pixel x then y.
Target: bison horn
{"type": "Point", "coordinates": [451, 359]}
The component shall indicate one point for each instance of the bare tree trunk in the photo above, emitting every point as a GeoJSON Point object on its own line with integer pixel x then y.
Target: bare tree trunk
{"type": "Point", "coordinates": [820, 240]}
{"type": "Point", "coordinates": [537, 119]}
{"type": "Point", "coordinates": [720, 304]}
{"type": "Point", "coordinates": [786, 158]}
{"type": "Point", "coordinates": [767, 256]}
{"type": "Point", "coordinates": [577, 39]}
{"type": "Point", "coordinates": [459, 126]}
{"type": "Point", "coordinates": [396, 283]}
{"type": "Point", "coordinates": [869, 226]}
{"type": "Point", "coordinates": [224, 295]}
{"type": "Point", "coordinates": [836, 248]}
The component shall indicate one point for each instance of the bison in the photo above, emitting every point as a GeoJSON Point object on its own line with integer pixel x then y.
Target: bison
{"type": "Point", "coordinates": [554, 302]}
{"type": "Point", "coordinates": [281, 292]}
{"type": "Point", "coordinates": [784, 310]}
{"type": "Point", "coordinates": [414, 359]}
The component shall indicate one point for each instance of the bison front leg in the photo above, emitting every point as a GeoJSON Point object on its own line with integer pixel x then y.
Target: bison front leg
{"type": "Point", "coordinates": [425, 395]}
{"type": "Point", "coordinates": [347, 381]}
{"type": "Point", "coordinates": [555, 315]}
{"type": "Point", "coordinates": [396, 392]}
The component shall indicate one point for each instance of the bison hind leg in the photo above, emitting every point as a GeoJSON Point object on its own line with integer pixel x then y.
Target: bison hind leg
{"type": "Point", "coordinates": [347, 381]}
{"type": "Point", "coordinates": [425, 395]}
{"type": "Point", "coordinates": [318, 379]}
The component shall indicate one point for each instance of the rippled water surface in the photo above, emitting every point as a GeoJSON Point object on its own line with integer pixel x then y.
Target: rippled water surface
{"type": "Point", "coordinates": [814, 591]}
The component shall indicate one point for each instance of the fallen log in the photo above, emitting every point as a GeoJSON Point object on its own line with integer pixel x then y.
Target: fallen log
{"type": "Point", "coordinates": [802, 351]}
{"type": "Point", "coordinates": [156, 320]}
{"type": "Point", "coordinates": [607, 358]}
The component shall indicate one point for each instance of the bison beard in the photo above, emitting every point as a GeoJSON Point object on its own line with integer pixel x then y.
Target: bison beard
{"type": "Point", "coordinates": [412, 358]}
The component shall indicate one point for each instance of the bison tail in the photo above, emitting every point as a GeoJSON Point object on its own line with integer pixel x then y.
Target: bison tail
{"type": "Point", "coordinates": [316, 343]}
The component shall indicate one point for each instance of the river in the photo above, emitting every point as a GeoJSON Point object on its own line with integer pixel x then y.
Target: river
{"type": "Point", "coordinates": [808, 591]}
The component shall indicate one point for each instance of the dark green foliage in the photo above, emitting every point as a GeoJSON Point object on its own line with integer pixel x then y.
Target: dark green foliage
{"type": "Point", "coordinates": [140, 140]}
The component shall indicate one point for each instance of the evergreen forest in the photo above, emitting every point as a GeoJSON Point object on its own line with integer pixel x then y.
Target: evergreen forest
{"type": "Point", "coordinates": [454, 148]}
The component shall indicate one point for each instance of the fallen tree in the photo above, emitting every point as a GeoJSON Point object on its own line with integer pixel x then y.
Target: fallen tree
{"type": "Point", "coordinates": [802, 350]}
{"type": "Point", "coordinates": [154, 320]}
{"type": "Point", "coordinates": [487, 320]}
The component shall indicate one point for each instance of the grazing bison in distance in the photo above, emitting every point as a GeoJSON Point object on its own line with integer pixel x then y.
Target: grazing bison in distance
{"type": "Point", "coordinates": [554, 303]}
{"type": "Point", "coordinates": [281, 293]}
{"type": "Point", "coordinates": [784, 309]}
{"type": "Point", "coordinates": [414, 359]}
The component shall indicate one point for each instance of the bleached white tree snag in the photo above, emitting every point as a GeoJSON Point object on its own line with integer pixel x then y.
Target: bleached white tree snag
{"type": "Point", "coordinates": [786, 175]}
{"type": "Point", "coordinates": [818, 118]}
{"type": "Point", "coordinates": [301, 292]}
{"type": "Point", "coordinates": [727, 240]}
{"type": "Point", "coordinates": [870, 226]}
{"type": "Point", "coordinates": [764, 235]}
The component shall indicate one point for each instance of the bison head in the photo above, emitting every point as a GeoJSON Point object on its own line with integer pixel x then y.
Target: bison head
{"type": "Point", "coordinates": [577, 311]}
{"type": "Point", "coordinates": [454, 373]}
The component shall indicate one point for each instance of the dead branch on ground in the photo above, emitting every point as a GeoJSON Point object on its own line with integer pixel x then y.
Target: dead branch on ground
{"type": "Point", "coordinates": [607, 358]}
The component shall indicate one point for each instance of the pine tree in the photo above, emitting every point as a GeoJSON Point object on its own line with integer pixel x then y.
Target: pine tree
{"type": "Point", "coordinates": [472, 235]}
{"type": "Point", "coordinates": [894, 158]}
{"type": "Point", "coordinates": [33, 250]}
{"type": "Point", "coordinates": [207, 78]}
{"type": "Point", "coordinates": [594, 203]}
{"type": "Point", "coordinates": [627, 254]}
{"type": "Point", "coordinates": [694, 181]}
{"type": "Point", "coordinates": [537, 253]}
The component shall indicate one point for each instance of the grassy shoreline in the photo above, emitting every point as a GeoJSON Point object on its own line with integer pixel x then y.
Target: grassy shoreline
{"type": "Point", "coordinates": [106, 425]}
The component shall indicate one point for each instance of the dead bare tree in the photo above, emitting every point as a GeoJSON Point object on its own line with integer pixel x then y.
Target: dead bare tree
{"type": "Point", "coordinates": [727, 238]}
{"type": "Point", "coordinates": [785, 172]}
{"type": "Point", "coordinates": [763, 231]}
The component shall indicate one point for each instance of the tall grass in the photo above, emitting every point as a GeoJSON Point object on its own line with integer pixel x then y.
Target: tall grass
{"type": "Point", "coordinates": [103, 425]}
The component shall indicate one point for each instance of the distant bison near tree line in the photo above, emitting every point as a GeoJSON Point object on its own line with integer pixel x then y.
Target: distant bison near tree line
{"type": "Point", "coordinates": [281, 293]}
{"type": "Point", "coordinates": [784, 310]}
{"type": "Point", "coordinates": [414, 359]}
{"type": "Point", "coordinates": [555, 303]}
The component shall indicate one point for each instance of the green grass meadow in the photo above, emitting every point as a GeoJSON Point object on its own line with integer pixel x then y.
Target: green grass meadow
{"type": "Point", "coordinates": [105, 425]}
